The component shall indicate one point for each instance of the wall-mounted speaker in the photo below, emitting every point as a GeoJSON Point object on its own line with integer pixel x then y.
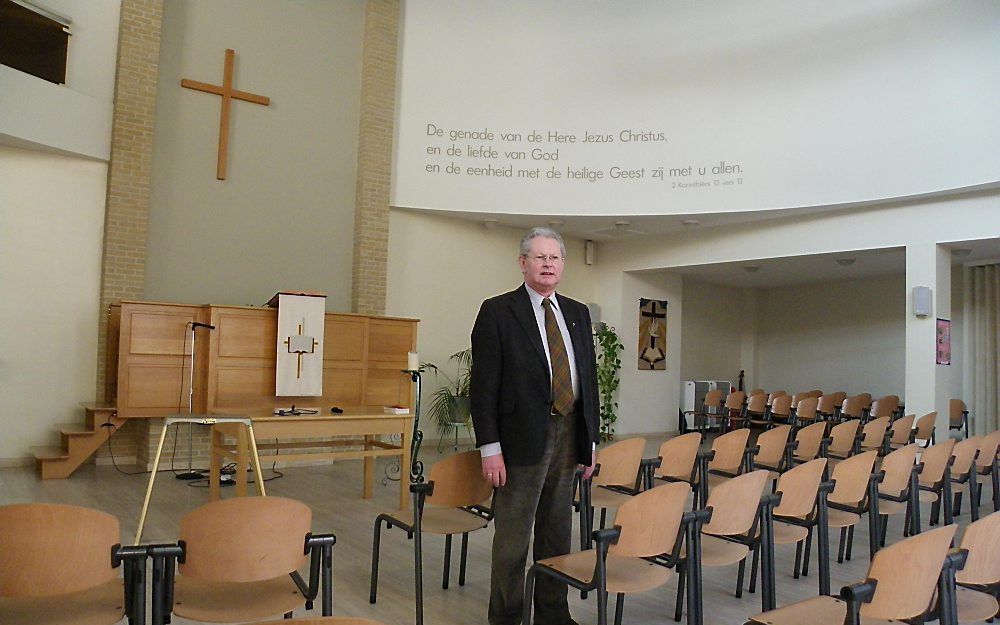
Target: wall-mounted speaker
{"type": "Point", "coordinates": [922, 305]}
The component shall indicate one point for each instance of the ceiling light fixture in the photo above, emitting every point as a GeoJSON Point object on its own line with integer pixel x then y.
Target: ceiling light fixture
{"type": "Point", "coordinates": [556, 223]}
{"type": "Point", "coordinates": [751, 268]}
{"type": "Point", "coordinates": [846, 262]}
{"type": "Point", "coordinates": [961, 252]}
{"type": "Point", "coordinates": [690, 223]}
{"type": "Point", "coordinates": [489, 224]}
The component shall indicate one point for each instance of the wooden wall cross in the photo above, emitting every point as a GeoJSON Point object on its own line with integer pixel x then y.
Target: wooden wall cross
{"type": "Point", "coordinates": [228, 93]}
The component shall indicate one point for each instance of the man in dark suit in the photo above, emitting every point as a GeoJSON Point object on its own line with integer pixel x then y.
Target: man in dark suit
{"type": "Point", "coordinates": [535, 410]}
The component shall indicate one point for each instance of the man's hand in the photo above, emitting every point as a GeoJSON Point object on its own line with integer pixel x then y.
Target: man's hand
{"type": "Point", "coordinates": [589, 471]}
{"type": "Point", "coordinates": [494, 470]}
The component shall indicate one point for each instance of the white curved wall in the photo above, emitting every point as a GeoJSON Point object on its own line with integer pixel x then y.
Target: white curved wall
{"type": "Point", "coordinates": [815, 103]}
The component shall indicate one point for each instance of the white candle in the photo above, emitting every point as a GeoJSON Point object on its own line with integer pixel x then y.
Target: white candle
{"type": "Point", "coordinates": [412, 361]}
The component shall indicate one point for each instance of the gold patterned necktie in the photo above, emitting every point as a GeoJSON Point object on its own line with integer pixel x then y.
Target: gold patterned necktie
{"type": "Point", "coordinates": [562, 382]}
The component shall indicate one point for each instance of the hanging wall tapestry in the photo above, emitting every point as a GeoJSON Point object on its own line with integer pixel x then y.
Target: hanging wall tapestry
{"type": "Point", "coordinates": [652, 334]}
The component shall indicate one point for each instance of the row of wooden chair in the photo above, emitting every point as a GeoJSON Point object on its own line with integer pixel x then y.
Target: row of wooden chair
{"type": "Point", "coordinates": [236, 560]}
{"type": "Point", "coordinates": [858, 487]}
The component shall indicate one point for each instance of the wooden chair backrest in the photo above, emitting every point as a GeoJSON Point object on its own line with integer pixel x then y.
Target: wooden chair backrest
{"type": "Point", "coordinates": [52, 549]}
{"type": "Point", "coordinates": [964, 453]}
{"type": "Point", "coordinates": [827, 404]}
{"type": "Point", "coordinates": [839, 397]}
{"type": "Point", "coordinates": [734, 504]}
{"type": "Point", "coordinates": [874, 432]}
{"type": "Point", "coordinates": [901, 429]}
{"type": "Point", "coordinates": [907, 574]}
{"type": "Point", "coordinates": [885, 406]}
{"type": "Point", "coordinates": [935, 458]}
{"type": "Point", "coordinates": [815, 393]}
{"type": "Point", "coordinates": [756, 391]}
{"type": "Point", "coordinates": [982, 539]}
{"type": "Point", "coordinates": [925, 426]}
{"type": "Point", "coordinates": [734, 401]}
{"type": "Point", "coordinates": [852, 406]}
{"type": "Point", "coordinates": [866, 399]}
{"type": "Point", "coordinates": [851, 478]}
{"type": "Point", "coordinates": [807, 408]}
{"type": "Point", "coordinates": [897, 466]}
{"type": "Point", "coordinates": [988, 449]}
{"type": "Point", "coordinates": [782, 406]}
{"type": "Point", "coordinates": [651, 521]}
{"type": "Point", "coordinates": [458, 481]}
{"type": "Point", "coordinates": [620, 462]}
{"type": "Point", "coordinates": [955, 409]}
{"type": "Point", "coordinates": [245, 539]}
{"type": "Point", "coordinates": [729, 449]}
{"type": "Point", "coordinates": [774, 395]}
{"type": "Point", "coordinates": [713, 398]}
{"type": "Point", "coordinates": [799, 487]}
{"type": "Point", "coordinates": [757, 403]}
{"type": "Point", "coordinates": [809, 439]}
{"type": "Point", "coordinates": [797, 397]}
{"type": "Point", "coordinates": [772, 445]}
{"type": "Point", "coordinates": [842, 436]}
{"type": "Point", "coordinates": [678, 455]}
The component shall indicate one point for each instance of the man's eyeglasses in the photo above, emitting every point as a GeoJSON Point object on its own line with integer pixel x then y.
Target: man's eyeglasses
{"type": "Point", "coordinates": [541, 259]}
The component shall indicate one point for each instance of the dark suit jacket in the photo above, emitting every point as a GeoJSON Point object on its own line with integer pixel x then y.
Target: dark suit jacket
{"type": "Point", "coordinates": [511, 394]}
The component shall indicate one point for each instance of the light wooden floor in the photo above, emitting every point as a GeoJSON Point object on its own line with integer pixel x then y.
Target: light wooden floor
{"type": "Point", "coordinates": [334, 493]}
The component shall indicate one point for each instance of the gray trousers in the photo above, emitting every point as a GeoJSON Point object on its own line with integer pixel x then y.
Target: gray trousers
{"type": "Point", "coordinates": [539, 495]}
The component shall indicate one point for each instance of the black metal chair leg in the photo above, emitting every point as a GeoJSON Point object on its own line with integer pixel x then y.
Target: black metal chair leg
{"type": "Point", "coordinates": [798, 560]}
{"type": "Point", "coordinates": [850, 541]}
{"type": "Point", "coordinates": [463, 559]}
{"type": "Point", "coordinates": [840, 547]}
{"type": "Point", "coordinates": [805, 558]}
{"type": "Point", "coordinates": [619, 607]}
{"type": "Point", "coordinates": [376, 543]}
{"type": "Point", "coordinates": [754, 565]}
{"type": "Point", "coordinates": [739, 579]}
{"type": "Point", "coordinates": [885, 527]}
{"type": "Point", "coordinates": [604, 517]}
{"type": "Point", "coordinates": [679, 603]}
{"type": "Point", "coordinates": [446, 576]}
{"type": "Point", "coordinates": [956, 508]}
{"type": "Point", "coordinates": [974, 489]}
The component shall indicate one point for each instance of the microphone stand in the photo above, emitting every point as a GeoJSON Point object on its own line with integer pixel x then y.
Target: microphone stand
{"type": "Point", "coordinates": [191, 474]}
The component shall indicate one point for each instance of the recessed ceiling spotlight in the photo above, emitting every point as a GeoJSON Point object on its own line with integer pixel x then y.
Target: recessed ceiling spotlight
{"type": "Point", "coordinates": [557, 223]}
{"type": "Point", "coordinates": [846, 262]}
{"type": "Point", "coordinates": [690, 223]}
{"type": "Point", "coordinates": [961, 252]}
{"type": "Point", "coordinates": [489, 224]}
{"type": "Point", "coordinates": [751, 268]}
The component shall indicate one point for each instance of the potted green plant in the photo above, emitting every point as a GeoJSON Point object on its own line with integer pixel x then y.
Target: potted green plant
{"type": "Point", "coordinates": [449, 406]}
{"type": "Point", "coordinates": [608, 366]}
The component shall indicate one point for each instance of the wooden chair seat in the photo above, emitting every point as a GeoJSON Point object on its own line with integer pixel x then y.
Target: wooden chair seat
{"type": "Point", "coordinates": [786, 534]}
{"type": "Point", "coordinates": [891, 507]}
{"type": "Point", "coordinates": [324, 620]}
{"type": "Point", "coordinates": [625, 574]}
{"type": "Point", "coordinates": [927, 496]}
{"type": "Point", "coordinates": [607, 498]}
{"type": "Point", "coordinates": [720, 552]}
{"type": "Point", "coordinates": [975, 606]}
{"type": "Point", "coordinates": [444, 521]}
{"type": "Point", "coordinates": [226, 602]}
{"type": "Point", "coordinates": [96, 606]}
{"type": "Point", "coordinates": [812, 611]}
{"type": "Point", "coordinates": [715, 479]}
{"type": "Point", "coordinates": [842, 518]}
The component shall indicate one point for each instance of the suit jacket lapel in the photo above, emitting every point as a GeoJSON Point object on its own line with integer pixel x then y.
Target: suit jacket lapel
{"type": "Point", "coordinates": [521, 306]}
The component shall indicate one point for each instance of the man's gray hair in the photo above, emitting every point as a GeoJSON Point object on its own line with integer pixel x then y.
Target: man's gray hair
{"type": "Point", "coordinates": [548, 233]}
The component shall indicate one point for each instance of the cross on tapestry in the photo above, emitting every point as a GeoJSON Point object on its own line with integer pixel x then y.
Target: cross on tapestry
{"type": "Point", "coordinates": [652, 334]}
{"type": "Point", "coordinates": [301, 320]}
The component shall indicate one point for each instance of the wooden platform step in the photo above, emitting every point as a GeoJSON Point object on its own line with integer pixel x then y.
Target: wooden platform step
{"type": "Point", "coordinates": [79, 442]}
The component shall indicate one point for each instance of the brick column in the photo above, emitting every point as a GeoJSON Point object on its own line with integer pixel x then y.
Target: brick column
{"type": "Point", "coordinates": [123, 266]}
{"type": "Point", "coordinates": [378, 104]}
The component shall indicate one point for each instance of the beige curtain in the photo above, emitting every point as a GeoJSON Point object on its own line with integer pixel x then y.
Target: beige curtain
{"type": "Point", "coordinates": [982, 305]}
